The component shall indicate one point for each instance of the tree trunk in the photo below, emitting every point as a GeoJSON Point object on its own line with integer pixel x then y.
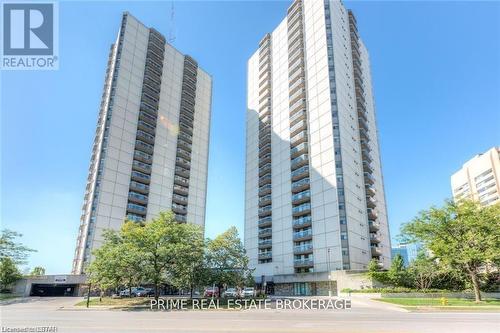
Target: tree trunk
{"type": "Point", "coordinates": [475, 284]}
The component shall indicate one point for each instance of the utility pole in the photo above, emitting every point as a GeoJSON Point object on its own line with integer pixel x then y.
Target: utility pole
{"type": "Point", "coordinates": [88, 295]}
{"type": "Point", "coordinates": [329, 275]}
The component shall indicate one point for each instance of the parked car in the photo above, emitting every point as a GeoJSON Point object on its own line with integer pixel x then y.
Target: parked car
{"type": "Point", "coordinates": [135, 292]}
{"type": "Point", "coordinates": [145, 292]}
{"type": "Point", "coordinates": [248, 292]}
{"type": "Point", "coordinates": [211, 292]}
{"type": "Point", "coordinates": [231, 292]}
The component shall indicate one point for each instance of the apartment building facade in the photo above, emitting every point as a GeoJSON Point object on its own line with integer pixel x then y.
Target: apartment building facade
{"type": "Point", "coordinates": [150, 152]}
{"type": "Point", "coordinates": [479, 178]}
{"type": "Point", "coordinates": [315, 198]}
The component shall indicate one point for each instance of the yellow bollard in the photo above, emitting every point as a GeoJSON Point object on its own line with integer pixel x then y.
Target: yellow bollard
{"type": "Point", "coordinates": [444, 301]}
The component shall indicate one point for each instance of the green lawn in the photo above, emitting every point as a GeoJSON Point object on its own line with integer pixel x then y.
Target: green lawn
{"type": "Point", "coordinates": [108, 301]}
{"type": "Point", "coordinates": [436, 302]}
{"type": "Point", "coordinates": [7, 296]}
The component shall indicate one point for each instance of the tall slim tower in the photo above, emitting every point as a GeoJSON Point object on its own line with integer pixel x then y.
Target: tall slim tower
{"type": "Point", "coordinates": [314, 189]}
{"type": "Point", "coordinates": [150, 151]}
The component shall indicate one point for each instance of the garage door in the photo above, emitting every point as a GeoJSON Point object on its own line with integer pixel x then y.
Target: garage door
{"type": "Point", "coordinates": [53, 289]}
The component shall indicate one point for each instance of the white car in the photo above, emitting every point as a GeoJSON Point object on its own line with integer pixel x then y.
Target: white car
{"type": "Point", "coordinates": [248, 292]}
{"type": "Point", "coordinates": [231, 292]}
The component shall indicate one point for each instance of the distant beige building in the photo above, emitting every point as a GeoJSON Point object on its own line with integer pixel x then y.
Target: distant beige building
{"type": "Point", "coordinates": [479, 178]}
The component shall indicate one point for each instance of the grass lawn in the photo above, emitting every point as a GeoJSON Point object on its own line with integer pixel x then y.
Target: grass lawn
{"type": "Point", "coordinates": [108, 301]}
{"type": "Point", "coordinates": [436, 302]}
{"type": "Point", "coordinates": [7, 296]}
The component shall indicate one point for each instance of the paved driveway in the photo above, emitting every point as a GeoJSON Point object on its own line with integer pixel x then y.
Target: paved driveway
{"type": "Point", "coordinates": [365, 316]}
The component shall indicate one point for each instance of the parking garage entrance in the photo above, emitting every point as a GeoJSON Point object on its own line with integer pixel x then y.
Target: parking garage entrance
{"type": "Point", "coordinates": [53, 290]}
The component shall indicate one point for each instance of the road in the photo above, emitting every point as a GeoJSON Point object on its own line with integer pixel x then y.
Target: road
{"type": "Point", "coordinates": [365, 316]}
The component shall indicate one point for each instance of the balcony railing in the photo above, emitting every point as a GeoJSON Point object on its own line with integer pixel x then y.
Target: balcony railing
{"type": "Point", "coordinates": [300, 160]}
{"type": "Point", "coordinates": [302, 248]}
{"type": "Point", "coordinates": [304, 195]}
{"type": "Point", "coordinates": [265, 255]}
{"type": "Point", "coordinates": [300, 149]}
{"type": "Point", "coordinates": [302, 221]}
{"type": "Point", "coordinates": [265, 221]}
{"type": "Point", "coordinates": [303, 262]}
{"type": "Point", "coordinates": [265, 242]}
{"type": "Point", "coordinates": [266, 231]}
{"type": "Point", "coordinates": [302, 234]}
{"type": "Point", "coordinates": [301, 209]}
{"type": "Point", "coordinates": [300, 183]}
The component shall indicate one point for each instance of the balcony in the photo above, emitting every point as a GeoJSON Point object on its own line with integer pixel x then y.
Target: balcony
{"type": "Point", "coordinates": [299, 115]}
{"type": "Point", "coordinates": [184, 145]}
{"type": "Point", "coordinates": [371, 202]}
{"type": "Point", "coordinates": [301, 249]}
{"type": "Point", "coordinates": [179, 209]}
{"type": "Point", "coordinates": [264, 140]}
{"type": "Point", "coordinates": [374, 226]}
{"type": "Point", "coordinates": [299, 149]}
{"type": "Point", "coordinates": [186, 137]}
{"type": "Point", "coordinates": [182, 190]}
{"type": "Point", "coordinates": [179, 199]}
{"type": "Point", "coordinates": [374, 238]}
{"type": "Point", "coordinates": [300, 185]}
{"type": "Point", "coordinates": [265, 189]}
{"type": "Point", "coordinates": [182, 172]}
{"type": "Point", "coordinates": [370, 191]}
{"type": "Point", "coordinates": [301, 197]}
{"type": "Point", "coordinates": [265, 243]}
{"type": "Point", "coordinates": [299, 138]}
{"type": "Point", "coordinates": [265, 221]}
{"type": "Point", "coordinates": [183, 162]}
{"type": "Point", "coordinates": [265, 211]}
{"type": "Point", "coordinates": [144, 126]}
{"type": "Point", "coordinates": [367, 167]}
{"type": "Point", "coordinates": [265, 200]}
{"type": "Point", "coordinates": [265, 180]}
{"type": "Point", "coordinates": [376, 252]}
{"type": "Point", "coordinates": [265, 149]}
{"type": "Point", "coordinates": [300, 104]}
{"type": "Point", "coordinates": [144, 147]}
{"type": "Point", "coordinates": [302, 209]}
{"type": "Point", "coordinates": [299, 161]}
{"type": "Point", "coordinates": [180, 218]}
{"type": "Point", "coordinates": [142, 167]}
{"type": "Point", "coordinates": [148, 138]}
{"type": "Point", "coordinates": [141, 156]}
{"type": "Point", "coordinates": [264, 159]}
{"type": "Point", "coordinates": [372, 215]}
{"type": "Point", "coordinates": [303, 263]}
{"type": "Point", "coordinates": [139, 187]}
{"type": "Point", "coordinates": [302, 235]}
{"type": "Point", "coordinates": [136, 209]}
{"type": "Point", "coordinates": [183, 153]}
{"type": "Point", "coordinates": [266, 232]}
{"type": "Point", "coordinates": [265, 255]}
{"type": "Point", "coordinates": [266, 169]}
{"type": "Point", "coordinates": [302, 222]}
{"type": "Point", "coordinates": [181, 181]}
{"type": "Point", "coordinates": [141, 177]}
{"type": "Point", "coordinates": [299, 126]}
{"type": "Point", "coordinates": [138, 198]}
{"type": "Point", "coordinates": [369, 179]}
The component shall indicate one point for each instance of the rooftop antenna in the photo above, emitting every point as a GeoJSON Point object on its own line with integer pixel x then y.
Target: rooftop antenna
{"type": "Point", "coordinates": [171, 32]}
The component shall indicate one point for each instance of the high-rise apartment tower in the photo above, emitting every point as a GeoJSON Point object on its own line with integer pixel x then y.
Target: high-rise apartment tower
{"type": "Point", "coordinates": [150, 151]}
{"type": "Point", "coordinates": [314, 188]}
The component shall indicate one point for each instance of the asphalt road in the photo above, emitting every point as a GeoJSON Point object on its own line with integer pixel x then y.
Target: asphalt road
{"type": "Point", "coordinates": [365, 316]}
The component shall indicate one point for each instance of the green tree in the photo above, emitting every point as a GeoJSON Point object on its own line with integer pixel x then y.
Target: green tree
{"type": "Point", "coordinates": [165, 246]}
{"type": "Point", "coordinates": [9, 273]}
{"type": "Point", "coordinates": [37, 271]}
{"type": "Point", "coordinates": [10, 248]}
{"type": "Point", "coordinates": [424, 271]}
{"type": "Point", "coordinates": [461, 235]}
{"type": "Point", "coordinates": [227, 259]}
{"type": "Point", "coordinates": [116, 263]}
{"type": "Point", "coordinates": [397, 274]}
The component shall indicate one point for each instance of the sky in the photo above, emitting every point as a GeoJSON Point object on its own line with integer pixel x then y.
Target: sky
{"type": "Point", "coordinates": [436, 77]}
